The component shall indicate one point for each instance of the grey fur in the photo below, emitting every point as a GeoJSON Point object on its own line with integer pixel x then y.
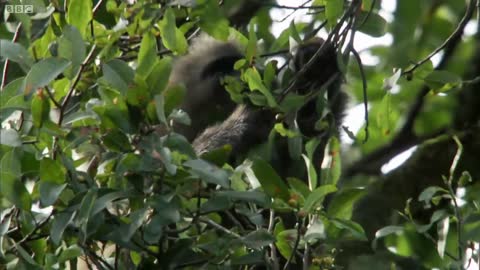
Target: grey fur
{"type": "Point", "coordinates": [240, 126]}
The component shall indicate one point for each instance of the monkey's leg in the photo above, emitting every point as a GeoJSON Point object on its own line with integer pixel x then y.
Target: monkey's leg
{"type": "Point", "coordinates": [244, 128]}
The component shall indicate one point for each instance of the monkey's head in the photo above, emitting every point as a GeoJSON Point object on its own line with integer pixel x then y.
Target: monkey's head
{"type": "Point", "coordinates": [323, 67]}
{"type": "Point", "coordinates": [201, 71]}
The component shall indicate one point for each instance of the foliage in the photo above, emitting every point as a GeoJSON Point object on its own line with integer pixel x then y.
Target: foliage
{"type": "Point", "coordinates": [92, 171]}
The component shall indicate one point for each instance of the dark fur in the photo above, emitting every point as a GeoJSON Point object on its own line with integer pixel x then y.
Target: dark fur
{"type": "Point", "coordinates": [243, 126]}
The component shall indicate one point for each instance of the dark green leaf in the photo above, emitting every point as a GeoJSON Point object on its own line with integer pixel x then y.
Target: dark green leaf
{"type": "Point", "coordinates": [52, 171]}
{"type": "Point", "coordinates": [316, 197]}
{"type": "Point", "coordinates": [71, 46]}
{"type": "Point", "coordinates": [147, 56]}
{"type": "Point", "coordinates": [118, 75]}
{"type": "Point", "coordinates": [208, 172]}
{"type": "Point", "coordinates": [354, 228]}
{"type": "Point", "coordinates": [374, 25]}
{"type": "Point", "coordinates": [441, 80]}
{"type": "Point", "coordinates": [80, 14]}
{"type": "Point", "coordinates": [72, 252]}
{"type": "Point", "coordinates": [172, 37]}
{"type": "Point", "coordinates": [342, 203]}
{"type": "Point", "coordinates": [246, 196]}
{"type": "Point", "coordinates": [258, 239]}
{"type": "Point", "coordinates": [16, 53]}
{"type": "Point", "coordinates": [12, 188]}
{"type": "Point", "coordinates": [49, 192]}
{"type": "Point", "coordinates": [43, 72]}
{"type": "Point", "coordinates": [272, 184]}
{"type": "Point", "coordinates": [158, 77]}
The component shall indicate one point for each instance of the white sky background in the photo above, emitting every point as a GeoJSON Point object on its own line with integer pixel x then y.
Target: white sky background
{"type": "Point", "coordinates": [354, 119]}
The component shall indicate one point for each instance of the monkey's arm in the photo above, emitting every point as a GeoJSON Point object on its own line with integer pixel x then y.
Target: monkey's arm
{"type": "Point", "coordinates": [245, 127]}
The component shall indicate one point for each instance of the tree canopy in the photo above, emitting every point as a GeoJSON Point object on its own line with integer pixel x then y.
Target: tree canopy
{"type": "Point", "coordinates": [93, 174]}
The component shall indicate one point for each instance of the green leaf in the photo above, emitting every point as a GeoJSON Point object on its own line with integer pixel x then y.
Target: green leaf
{"type": "Point", "coordinates": [12, 98]}
{"type": "Point", "coordinates": [316, 197]}
{"type": "Point", "coordinates": [174, 97]}
{"type": "Point", "coordinates": [43, 72]}
{"type": "Point", "coordinates": [52, 171]}
{"type": "Point", "coordinates": [441, 80]}
{"type": "Point", "coordinates": [252, 77]}
{"type": "Point", "coordinates": [442, 233]}
{"type": "Point", "coordinates": [118, 75]}
{"type": "Point", "coordinates": [70, 253]}
{"type": "Point", "coordinates": [294, 34]}
{"type": "Point", "coordinates": [333, 11]}
{"type": "Point", "coordinates": [10, 137]}
{"type": "Point", "coordinates": [49, 192]}
{"type": "Point", "coordinates": [354, 228]}
{"type": "Point", "coordinates": [286, 241]}
{"type": "Point", "coordinates": [428, 193]}
{"type": "Point", "coordinates": [295, 144]}
{"type": "Point", "coordinates": [27, 258]}
{"type": "Point", "coordinates": [137, 218]}
{"type": "Point", "coordinates": [272, 184]}
{"type": "Point", "coordinates": [10, 163]}
{"type": "Point", "coordinates": [258, 239]}
{"type": "Point", "coordinates": [147, 55]}
{"type": "Point", "coordinates": [385, 231]}
{"type": "Point", "coordinates": [384, 115]}
{"type": "Point", "coordinates": [12, 188]}
{"type": "Point", "coordinates": [160, 105]}
{"type": "Point", "coordinates": [79, 14]}
{"type": "Point", "coordinates": [216, 204]}
{"type": "Point", "coordinates": [375, 25]}
{"type": "Point", "coordinates": [311, 172]}
{"type": "Point", "coordinates": [117, 141]}
{"type": "Point", "coordinates": [84, 212]}
{"type": "Point", "coordinates": [103, 201]}
{"type": "Point", "coordinates": [298, 186]}
{"type": "Point", "coordinates": [256, 197]}
{"type": "Point", "coordinates": [72, 47]}
{"type": "Point", "coordinates": [16, 53]}
{"type": "Point", "coordinates": [315, 232]}
{"type": "Point", "coordinates": [208, 172]}
{"type": "Point", "coordinates": [334, 169]}
{"type": "Point", "coordinates": [40, 108]}
{"type": "Point", "coordinates": [212, 20]}
{"type": "Point", "coordinates": [172, 37]}
{"type": "Point", "coordinates": [471, 227]}
{"type": "Point", "coordinates": [251, 258]}
{"type": "Point", "coordinates": [158, 78]}
{"type": "Point", "coordinates": [342, 203]}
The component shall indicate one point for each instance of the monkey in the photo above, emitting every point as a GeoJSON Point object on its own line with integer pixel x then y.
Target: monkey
{"type": "Point", "coordinates": [218, 121]}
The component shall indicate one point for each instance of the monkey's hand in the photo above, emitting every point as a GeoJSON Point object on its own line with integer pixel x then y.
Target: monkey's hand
{"type": "Point", "coordinates": [245, 127]}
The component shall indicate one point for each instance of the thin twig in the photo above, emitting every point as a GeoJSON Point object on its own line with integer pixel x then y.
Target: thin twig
{"type": "Point", "coordinates": [273, 248]}
{"type": "Point", "coordinates": [364, 87]}
{"type": "Point", "coordinates": [321, 7]}
{"type": "Point", "coordinates": [6, 64]}
{"type": "Point", "coordinates": [74, 84]}
{"type": "Point", "coordinates": [457, 32]}
{"type": "Point", "coordinates": [52, 98]}
{"type": "Point", "coordinates": [320, 50]}
{"type": "Point", "coordinates": [295, 246]}
{"type": "Point", "coordinates": [218, 227]}
{"type": "Point", "coordinates": [456, 208]}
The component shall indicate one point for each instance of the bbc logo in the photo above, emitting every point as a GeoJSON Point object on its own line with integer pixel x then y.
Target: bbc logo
{"type": "Point", "coordinates": [19, 8]}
